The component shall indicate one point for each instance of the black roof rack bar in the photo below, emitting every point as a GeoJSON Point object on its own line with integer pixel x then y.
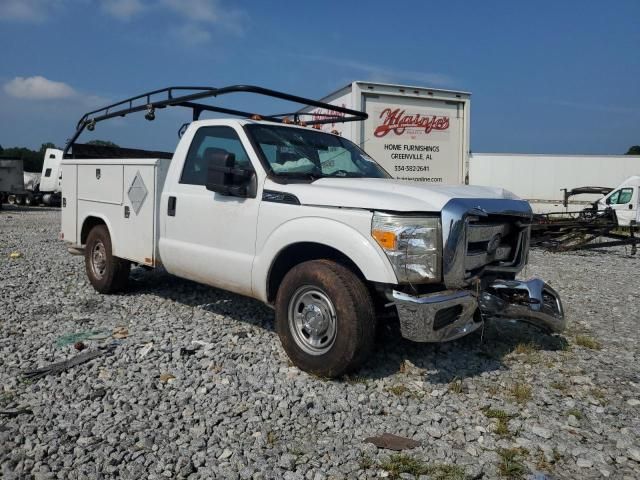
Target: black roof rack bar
{"type": "Point", "coordinates": [127, 106]}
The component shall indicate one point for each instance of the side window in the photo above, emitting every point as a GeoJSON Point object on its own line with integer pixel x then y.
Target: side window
{"type": "Point", "coordinates": [613, 199]}
{"type": "Point", "coordinates": [625, 195]}
{"type": "Point", "coordinates": [206, 141]}
{"type": "Point", "coordinates": [47, 172]}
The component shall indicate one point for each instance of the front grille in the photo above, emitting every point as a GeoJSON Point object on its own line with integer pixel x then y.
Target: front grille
{"type": "Point", "coordinates": [492, 242]}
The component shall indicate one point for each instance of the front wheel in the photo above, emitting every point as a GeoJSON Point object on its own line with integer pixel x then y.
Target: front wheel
{"type": "Point", "coordinates": [107, 274]}
{"type": "Point", "coordinates": [325, 318]}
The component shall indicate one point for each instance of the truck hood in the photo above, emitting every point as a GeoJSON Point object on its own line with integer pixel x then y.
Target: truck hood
{"type": "Point", "coordinates": [383, 194]}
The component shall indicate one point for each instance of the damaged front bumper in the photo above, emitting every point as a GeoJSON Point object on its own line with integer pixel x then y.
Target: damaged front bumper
{"type": "Point", "coordinates": [451, 314]}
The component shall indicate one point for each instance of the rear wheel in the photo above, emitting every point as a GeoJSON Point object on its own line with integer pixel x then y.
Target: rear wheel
{"type": "Point", "coordinates": [325, 318]}
{"type": "Point", "coordinates": [107, 274]}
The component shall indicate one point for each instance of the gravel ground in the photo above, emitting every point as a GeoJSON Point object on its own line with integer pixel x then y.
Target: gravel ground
{"type": "Point", "coordinates": [506, 402]}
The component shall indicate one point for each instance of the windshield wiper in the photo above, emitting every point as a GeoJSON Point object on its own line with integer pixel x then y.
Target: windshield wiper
{"type": "Point", "coordinates": [298, 175]}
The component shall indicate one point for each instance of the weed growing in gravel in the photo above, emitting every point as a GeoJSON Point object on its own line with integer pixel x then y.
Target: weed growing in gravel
{"type": "Point", "coordinates": [521, 392]}
{"type": "Point", "coordinates": [456, 386]}
{"type": "Point", "coordinates": [398, 390]}
{"type": "Point", "coordinates": [493, 390]}
{"type": "Point", "coordinates": [511, 465]}
{"type": "Point", "coordinates": [355, 380]}
{"type": "Point", "coordinates": [401, 463]}
{"type": "Point", "coordinates": [599, 395]}
{"type": "Point", "coordinates": [526, 348]}
{"type": "Point", "coordinates": [6, 398]}
{"type": "Point", "coordinates": [561, 386]}
{"type": "Point", "coordinates": [588, 342]}
{"type": "Point", "coordinates": [576, 413]}
{"type": "Point", "coordinates": [541, 461]}
{"type": "Point", "coordinates": [366, 462]}
{"type": "Point", "coordinates": [502, 427]}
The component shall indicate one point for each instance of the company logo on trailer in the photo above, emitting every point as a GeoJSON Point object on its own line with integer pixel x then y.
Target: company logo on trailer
{"type": "Point", "coordinates": [398, 121]}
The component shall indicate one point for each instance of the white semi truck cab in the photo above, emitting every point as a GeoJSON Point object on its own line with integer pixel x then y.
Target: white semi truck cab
{"type": "Point", "coordinates": [305, 221]}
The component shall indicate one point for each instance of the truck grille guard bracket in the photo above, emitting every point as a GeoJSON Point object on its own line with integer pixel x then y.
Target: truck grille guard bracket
{"type": "Point", "coordinates": [467, 301]}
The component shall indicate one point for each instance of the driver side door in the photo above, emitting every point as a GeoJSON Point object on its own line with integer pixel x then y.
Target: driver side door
{"type": "Point", "coordinates": [210, 237]}
{"type": "Point", "coordinates": [624, 201]}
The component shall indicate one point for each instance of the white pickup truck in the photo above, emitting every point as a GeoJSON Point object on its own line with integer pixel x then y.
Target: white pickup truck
{"type": "Point", "coordinates": [305, 221]}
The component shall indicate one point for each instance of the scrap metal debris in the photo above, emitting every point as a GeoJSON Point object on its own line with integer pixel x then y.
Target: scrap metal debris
{"type": "Point", "coordinates": [73, 338]}
{"type": "Point", "coordinates": [120, 333]}
{"type": "Point", "coordinates": [392, 442]}
{"type": "Point", "coordinates": [59, 367]}
{"type": "Point", "coordinates": [145, 350]}
{"type": "Point", "coordinates": [15, 413]}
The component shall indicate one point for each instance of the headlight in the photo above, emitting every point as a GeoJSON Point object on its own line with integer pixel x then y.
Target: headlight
{"type": "Point", "coordinates": [412, 245]}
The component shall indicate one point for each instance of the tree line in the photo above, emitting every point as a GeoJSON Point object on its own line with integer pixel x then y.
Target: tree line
{"type": "Point", "coordinates": [32, 159]}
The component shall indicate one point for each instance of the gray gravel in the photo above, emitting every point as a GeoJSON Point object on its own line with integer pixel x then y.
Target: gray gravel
{"type": "Point", "coordinates": [232, 406]}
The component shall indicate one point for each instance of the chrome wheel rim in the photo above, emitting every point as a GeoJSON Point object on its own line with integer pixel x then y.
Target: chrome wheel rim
{"type": "Point", "coordinates": [98, 260]}
{"type": "Point", "coordinates": [312, 320]}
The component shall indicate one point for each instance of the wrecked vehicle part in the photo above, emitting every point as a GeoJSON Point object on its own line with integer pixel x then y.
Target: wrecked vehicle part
{"type": "Point", "coordinates": [59, 367]}
{"type": "Point", "coordinates": [485, 244]}
{"type": "Point", "coordinates": [445, 316]}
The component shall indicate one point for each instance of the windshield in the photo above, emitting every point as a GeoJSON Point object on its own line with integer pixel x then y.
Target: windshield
{"type": "Point", "coordinates": [309, 154]}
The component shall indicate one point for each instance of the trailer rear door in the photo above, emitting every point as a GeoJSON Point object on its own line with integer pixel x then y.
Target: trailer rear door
{"type": "Point", "coordinates": [418, 139]}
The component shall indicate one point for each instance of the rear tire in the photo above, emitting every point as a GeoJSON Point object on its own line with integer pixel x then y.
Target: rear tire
{"type": "Point", "coordinates": [325, 318]}
{"type": "Point", "coordinates": [107, 274]}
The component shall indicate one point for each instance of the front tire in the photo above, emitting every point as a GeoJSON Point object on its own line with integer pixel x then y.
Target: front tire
{"type": "Point", "coordinates": [325, 318]}
{"type": "Point", "coordinates": [107, 274]}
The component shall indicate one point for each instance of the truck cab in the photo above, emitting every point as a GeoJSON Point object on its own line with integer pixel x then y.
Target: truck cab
{"type": "Point", "coordinates": [308, 223]}
{"type": "Point", "coordinates": [625, 200]}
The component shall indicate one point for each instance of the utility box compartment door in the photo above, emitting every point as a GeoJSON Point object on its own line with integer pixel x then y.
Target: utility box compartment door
{"type": "Point", "coordinates": [101, 183]}
{"type": "Point", "coordinates": [70, 204]}
{"type": "Point", "coordinates": [135, 236]}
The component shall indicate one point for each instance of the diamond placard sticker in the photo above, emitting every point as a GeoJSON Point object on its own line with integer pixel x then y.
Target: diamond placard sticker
{"type": "Point", "coordinates": [137, 192]}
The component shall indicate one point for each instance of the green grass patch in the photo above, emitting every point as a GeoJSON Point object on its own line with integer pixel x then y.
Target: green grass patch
{"type": "Point", "coordinates": [586, 341]}
{"type": "Point", "coordinates": [576, 413]}
{"type": "Point", "coordinates": [521, 392]}
{"type": "Point", "coordinates": [400, 463]}
{"type": "Point", "coordinates": [398, 390]}
{"type": "Point", "coordinates": [511, 465]}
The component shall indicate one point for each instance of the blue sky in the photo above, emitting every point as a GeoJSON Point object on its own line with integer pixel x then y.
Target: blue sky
{"type": "Point", "coordinates": [545, 76]}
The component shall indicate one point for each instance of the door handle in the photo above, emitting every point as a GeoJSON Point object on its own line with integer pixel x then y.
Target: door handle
{"type": "Point", "coordinates": [171, 207]}
{"type": "Point", "coordinates": [630, 206]}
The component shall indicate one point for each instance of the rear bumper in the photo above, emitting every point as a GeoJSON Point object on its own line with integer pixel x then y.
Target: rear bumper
{"type": "Point", "coordinates": [448, 315]}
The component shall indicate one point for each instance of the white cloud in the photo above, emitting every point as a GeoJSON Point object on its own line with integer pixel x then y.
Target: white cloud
{"type": "Point", "coordinates": [209, 12]}
{"type": "Point", "coordinates": [38, 88]}
{"type": "Point", "coordinates": [26, 10]}
{"type": "Point", "coordinates": [382, 73]}
{"type": "Point", "coordinates": [191, 34]}
{"type": "Point", "coordinates": [123, 9]}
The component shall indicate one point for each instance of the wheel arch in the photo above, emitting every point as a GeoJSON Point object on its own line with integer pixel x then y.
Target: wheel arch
{"type": "Point", "coordinates": [308, 238]}
{"type": "Point", "coordinates": [88, 223]}
{"type": "Point", "coordinates": [299, 252]}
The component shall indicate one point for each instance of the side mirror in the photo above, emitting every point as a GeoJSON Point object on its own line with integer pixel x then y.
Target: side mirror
{"type": "Point", "coordinates": [223, 177]}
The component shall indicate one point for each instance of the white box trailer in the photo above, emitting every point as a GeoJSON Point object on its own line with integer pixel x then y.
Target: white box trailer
{"type": "Point", "coordinates": [415, 133]}
{"type": "Point", "coordinates": [541, 178]}
{"type": "Point", "coordinates": [11, 176]}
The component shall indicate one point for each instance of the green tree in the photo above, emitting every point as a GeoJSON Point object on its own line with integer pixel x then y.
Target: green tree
{"type": "Point", "coordinates": [44, 146]}
{"type": "Point", "coordinates": [102, 143]}
{"type": "Point", "coordinates": [634, 150]}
